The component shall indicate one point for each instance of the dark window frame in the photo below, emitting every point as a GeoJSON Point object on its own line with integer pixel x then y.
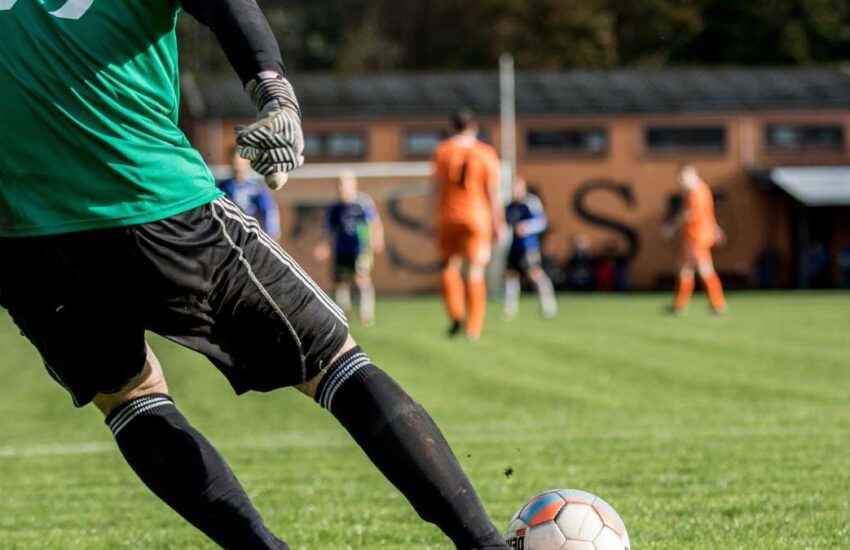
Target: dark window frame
{"type": "Point", "coordinates": [409, 131]}
{"type": "Point", "coordinates": [484, 135]}
{"type": "Point", "coordinates": [326, 135]}
{"type": "Point", "coordinates": [686, 148]}
{"type": "Point", "coordinates": [567, 151]}
{"type": "Point", "coordinates": [771, 147]}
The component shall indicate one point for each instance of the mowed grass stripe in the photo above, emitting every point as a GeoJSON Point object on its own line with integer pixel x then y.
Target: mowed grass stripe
{"type": "Point", "coordinates": [705, 433]}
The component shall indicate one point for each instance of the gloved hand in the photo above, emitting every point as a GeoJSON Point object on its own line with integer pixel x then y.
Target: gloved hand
{"type": "Point", "coordinates": [275, 143]}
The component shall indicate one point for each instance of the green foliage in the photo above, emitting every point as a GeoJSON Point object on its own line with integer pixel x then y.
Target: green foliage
{"type": "Point", "coordinates": [703, 432]}
{"type": "Point", "coordinates": [358, 35]}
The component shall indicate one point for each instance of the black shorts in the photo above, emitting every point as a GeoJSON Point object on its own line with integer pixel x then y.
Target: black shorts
{"type": "Point", "coordinates": [209, 279]}
{"type": "Point", "coordinates": [346, 266]}
{"type": "Point", "coordinates": [522, 261]}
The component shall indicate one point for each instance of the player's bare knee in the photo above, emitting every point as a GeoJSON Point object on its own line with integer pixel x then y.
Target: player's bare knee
{"type": "Point", "coordinates": [150, 381]}
{"type": "Point", "coordinates": [309, 387]}
{"type": "Point", "coordinates": [706, 269]}
{"type": "Point", "coordinates": [476, 272]}
{"type": "Point", "coordinates": [454, 263]}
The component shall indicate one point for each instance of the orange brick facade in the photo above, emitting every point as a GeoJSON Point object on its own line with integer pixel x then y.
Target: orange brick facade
{"type": "Point", "coordinates": [618, 199]}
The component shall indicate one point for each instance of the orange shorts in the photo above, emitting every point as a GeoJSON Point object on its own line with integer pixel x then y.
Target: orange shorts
{"type": "Point", "coordinates": [694, 252]}
{"type": "Point", "coordinates": [472, 242]}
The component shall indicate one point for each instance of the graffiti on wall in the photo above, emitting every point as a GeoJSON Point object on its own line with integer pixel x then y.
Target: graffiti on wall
{"type": "Point", "coordinates": [405, 226]}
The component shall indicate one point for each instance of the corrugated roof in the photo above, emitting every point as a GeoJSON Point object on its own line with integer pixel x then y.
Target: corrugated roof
{"type": "Point", "coordinates": [566, 93]}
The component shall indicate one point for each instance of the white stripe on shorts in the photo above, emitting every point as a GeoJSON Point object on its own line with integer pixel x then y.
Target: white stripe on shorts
{"type": "Point", "coordinates": [231, 211]}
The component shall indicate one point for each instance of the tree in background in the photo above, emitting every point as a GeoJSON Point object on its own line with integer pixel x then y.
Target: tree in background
{"type": "Point", "coordinates": [374, 35]}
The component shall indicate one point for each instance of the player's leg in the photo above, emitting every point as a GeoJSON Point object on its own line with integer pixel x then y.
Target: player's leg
{"type": "Point", "coordinates": [454, 292]}
{"type": "Point", "coordinates": [365, 289]}
{"type": "Point", "coordinates": [270, 326]}
{"type": "Point", "coordinates": [512, 293]}
{"type": "Point", "coordinates": [478, 255]}
{"type": "Point", "coordinates": [713, 286]}
{"type": "Point", "coordinates": [403, 441]}
{"type": "Point", "coordinates": [451, 277]}
{"type": "Point", "coordinates": [685, 280]}
{"type": "Point", "coordinates": [179, 465]}
{"type": "Point", "coordinates": [343, 273]}
{"type": "Point", "coordinates": [545, 290]}
{"type": "Point", "coordinates": [61, 292]}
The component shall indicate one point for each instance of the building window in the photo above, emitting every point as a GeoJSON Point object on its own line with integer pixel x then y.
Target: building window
{"type": "Point", "coordinates": [331, 145]}
{"type": "Point", "coordinates": [796, 137]}
{"type": "Point", "coordinates": [568, 141]}
{"type": "Point", "coordinates": [663, 139]}
{"type": "Point", "coordinates": [421, 143]}
{"type": "Point", "coordinates": [313, 145]}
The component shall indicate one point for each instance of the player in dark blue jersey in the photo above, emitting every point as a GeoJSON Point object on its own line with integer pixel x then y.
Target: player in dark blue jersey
{"type": "Point", "coordinates": [355, 234]}
{"type": "Point", "coordinates": [527, 220]}
{"type": "Point", "coordinates": [252, 195]}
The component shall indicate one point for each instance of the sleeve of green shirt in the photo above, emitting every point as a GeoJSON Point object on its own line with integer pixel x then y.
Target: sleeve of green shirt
{"type": "Point", "coordinates": [244, 33]}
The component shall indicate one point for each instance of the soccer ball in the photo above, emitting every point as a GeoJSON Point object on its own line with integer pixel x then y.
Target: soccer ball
{"type": "Point", "coordinates": [567, 520]}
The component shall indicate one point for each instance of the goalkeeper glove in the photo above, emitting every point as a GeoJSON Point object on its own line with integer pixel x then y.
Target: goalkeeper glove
{"type": "Point", "coordinates": [275, 143]}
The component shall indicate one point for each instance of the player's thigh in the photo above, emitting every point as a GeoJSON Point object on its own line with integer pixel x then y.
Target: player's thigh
{"type": "Point", "coordinates": [477, 248]}
{"type": "Point", "coordinates": [72, 296]}
{"type": "Point", "coordinates": [150, 381]}
{"type": "Point", "coordinates": [256, 314]}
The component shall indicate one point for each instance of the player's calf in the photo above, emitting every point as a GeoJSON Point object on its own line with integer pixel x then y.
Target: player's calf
{"type": "Point", "coordinates": [179, 465]}
{"type": "Point", "coordinates": [403, 441]}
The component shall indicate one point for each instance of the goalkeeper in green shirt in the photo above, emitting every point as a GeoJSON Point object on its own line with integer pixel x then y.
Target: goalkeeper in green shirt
{"type": "Point", "coordinates": [111, 225]}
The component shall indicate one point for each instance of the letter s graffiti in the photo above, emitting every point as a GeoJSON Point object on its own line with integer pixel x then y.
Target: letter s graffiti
{"type": "Point", "coordinates": [625, 192]}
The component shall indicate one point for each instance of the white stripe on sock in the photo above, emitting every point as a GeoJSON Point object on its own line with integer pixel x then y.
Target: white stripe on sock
{"type": "Point", "coordinates": [149, 406]}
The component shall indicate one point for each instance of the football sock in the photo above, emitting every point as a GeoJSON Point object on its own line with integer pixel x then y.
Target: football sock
{"type": "Point", "coordinates": [367, 304]}
{"type": "Point", "coordinates": [683, 292]}
{"type": "Point", "coordinates": [546, 293]}
{"type": "Point", "coordinates": [453, 294]}
{"type": "Point", "coordinates": [715, 292]}
{"type": "Point", "coordinates": [406, 445]}
{"type": "Point", "coordinates": [512, 291]}
{"type": "Point", "coordinates": [184, 470]}
{"type": "Point", "coordinates": [476, 289]}
{"type": "Point", "coordinates": [342, 297]}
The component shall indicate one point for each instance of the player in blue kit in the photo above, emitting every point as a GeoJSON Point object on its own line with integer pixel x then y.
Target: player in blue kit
{"type": "Point", "coordinates": [527, 220]}
{"type": "Point", "coordinates": [252, 195]}
{"type": "Point", "coordinates": [355, 234]}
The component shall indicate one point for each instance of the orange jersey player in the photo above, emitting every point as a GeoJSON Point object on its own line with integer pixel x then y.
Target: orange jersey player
{"type": "Point", "coordinates": [470, 216]}
{"type": "Point", "coordinates": [699, 232]}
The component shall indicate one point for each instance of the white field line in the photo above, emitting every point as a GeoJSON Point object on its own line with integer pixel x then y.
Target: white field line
{"type": "Point", "coordinates": [333, 439]}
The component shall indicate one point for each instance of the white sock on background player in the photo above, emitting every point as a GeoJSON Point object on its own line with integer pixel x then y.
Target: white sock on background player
{"type": "Point", "coordinates": [546, 293]}
{"type": "Point", "coordinates": [342, 296]}
{"type": "Point", "coordinates": [512, 291]}
{"type": "Point", "coordinates": [367, 303]}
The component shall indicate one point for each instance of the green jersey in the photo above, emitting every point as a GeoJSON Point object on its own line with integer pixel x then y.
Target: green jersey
{"type": "Point", "coordinates": [89, 97]}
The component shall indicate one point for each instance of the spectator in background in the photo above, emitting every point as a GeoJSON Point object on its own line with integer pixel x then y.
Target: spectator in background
{"type": "Point", "coordinates": [355, 233]}
{"type": "Point", "coordinates": [251, 194]}
{"type": "Point", "coordinates": [579, 268]}
{"type": "Point", "coordinates": [527, 221]}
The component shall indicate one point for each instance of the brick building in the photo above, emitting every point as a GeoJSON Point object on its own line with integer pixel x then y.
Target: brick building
{"type": "Point", "coordinates": [602, 148]}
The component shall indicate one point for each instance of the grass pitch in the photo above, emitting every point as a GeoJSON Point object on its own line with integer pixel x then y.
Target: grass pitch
{"type": "Point", "coordinates": [703, 432]}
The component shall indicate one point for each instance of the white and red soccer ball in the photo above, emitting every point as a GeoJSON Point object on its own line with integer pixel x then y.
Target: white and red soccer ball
{"type": "Point", "coordinates": [567, 519]}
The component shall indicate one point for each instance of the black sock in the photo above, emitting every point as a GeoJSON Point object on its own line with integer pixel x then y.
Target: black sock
{"type": "Point", "coordinates": [405, 444]}
{"type": "Point", "coordinates": [183, 469]}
